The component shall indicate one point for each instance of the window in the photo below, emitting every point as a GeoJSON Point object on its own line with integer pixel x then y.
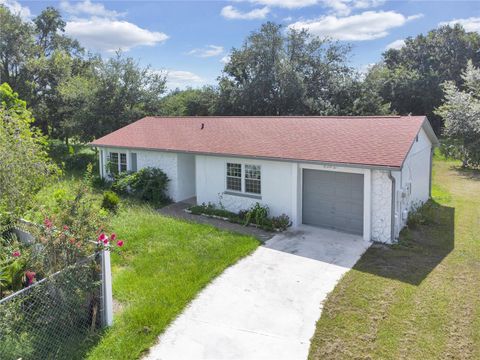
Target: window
{"type": "Point", "coordinates": [234, 177]}
{"type": "Point", "coordinates": [113, 163]}
{"type": "Point", "coordinates": [133, 161]}
{"type": "Point", "coordinates": [253, 183]}
{"type": "Point", "coordinates": [248, 181]}
{"type": "Point", "coordinates": [117, 163]}
{"type": "Point", "coordinates": [123, 162]}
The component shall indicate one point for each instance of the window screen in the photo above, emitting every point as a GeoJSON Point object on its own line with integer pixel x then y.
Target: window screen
{"type": "Point", "coordinates": [123, 162]}
{"type": "Point", "coordinates": [253, 183]}
{"type": "Point", "coordinates": [133, 161]}
{"type": "Point", "coordinates": [234, 177]}
{"type": "Point", "coordinates": [113, 163]}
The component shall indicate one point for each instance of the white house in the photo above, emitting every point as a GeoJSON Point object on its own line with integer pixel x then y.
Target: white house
{"type": "Point", "coordinates": [355, 174]}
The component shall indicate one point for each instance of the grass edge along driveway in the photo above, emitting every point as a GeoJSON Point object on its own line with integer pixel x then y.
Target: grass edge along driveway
{"type": "Point", "coordinates": [418, 299]}
{"type": "Point", "coordinates": [165, 263]}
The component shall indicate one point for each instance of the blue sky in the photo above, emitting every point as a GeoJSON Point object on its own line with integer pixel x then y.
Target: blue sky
{"type": "Point", "coordinates": [191, 39]}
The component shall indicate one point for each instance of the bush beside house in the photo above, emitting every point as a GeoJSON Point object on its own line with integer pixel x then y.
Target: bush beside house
{"type": "Point", "coordinates": [257, 215]}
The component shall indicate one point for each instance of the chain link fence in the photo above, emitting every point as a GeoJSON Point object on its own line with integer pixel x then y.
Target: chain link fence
{"type": "Point", "coordinates": [58, 317]}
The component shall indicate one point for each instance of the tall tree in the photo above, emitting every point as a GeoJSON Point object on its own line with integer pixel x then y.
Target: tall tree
{"type": "Point", "coordinates": [461, 113]}
{"type": "Point", "coordinates": [278, 73]}
{"type": "Point", "coordinates": [110, 95]}
{"type": "Point", "coordinates": [190, 102]}
{"type": "Point", "coordinates": [35, 57]}
{"type": "Point", "coordinates": [16, 48]}
{"type": "Point", "coordinates": [411, 78]}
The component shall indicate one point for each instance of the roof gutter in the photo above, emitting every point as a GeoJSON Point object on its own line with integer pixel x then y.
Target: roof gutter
{"type": "Point", "coordinates": [392, 216]}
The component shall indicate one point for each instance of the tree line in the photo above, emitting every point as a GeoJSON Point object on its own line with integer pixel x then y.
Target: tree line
{"type": "Point", "coordinates": [74, 94]}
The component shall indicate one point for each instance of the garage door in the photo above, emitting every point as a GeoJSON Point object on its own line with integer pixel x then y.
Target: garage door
{"type": "Point", "coordinates": [333, 200]}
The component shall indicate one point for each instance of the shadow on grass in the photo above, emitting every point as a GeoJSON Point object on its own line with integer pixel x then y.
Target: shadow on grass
{"type": "Point", "coordinates": [419, 250]}
{"type": "Point", "coordinates": [472, 174]}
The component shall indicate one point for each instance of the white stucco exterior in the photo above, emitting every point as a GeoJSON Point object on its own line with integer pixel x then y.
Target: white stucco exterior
{"type": "Point", "coordinates": [413, 182]}
{"type": "Point", "coordinates": [276, 184]}
{"type": "Point", "coordinates": [180, 168]}
{"type": "Point", "coordinates": [381, 206]}
{"type": "Point", "coordinates": [204, 176]}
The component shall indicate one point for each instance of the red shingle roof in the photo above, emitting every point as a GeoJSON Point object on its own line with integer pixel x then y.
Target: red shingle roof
{"type": "Point", "coordinates": [373, 141]}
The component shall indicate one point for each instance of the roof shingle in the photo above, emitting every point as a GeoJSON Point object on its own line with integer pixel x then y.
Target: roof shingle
{"type": "Point", "coordinates": [372, 140]}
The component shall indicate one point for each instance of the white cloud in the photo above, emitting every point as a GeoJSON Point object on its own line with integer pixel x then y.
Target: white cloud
{"type": "Point", "coordinates": [229, 12]}
{"type": "Point", "coordinates": [368, 25]}
{"type": "Point", "coordinates": [397, 45]}
{"type": "Point", "coordinates": [469, 24]}
{"type": "Point", "coordinates": [339, 7]}
{"type": "Point", "coordinates": [88, 8]}
{"type": "Point", "coordinates": [365, 68]}
{"type": "Point", "coordinates": [182, 79]}
{"type": "Point", "coordinates": [16, 8]}
{"type": "Point", "coordinates": [110, 35]}
{"type": "Point", "coordinates": [208, 51]}
{"type": "Point", "coordinates": [366, 4]}
{"type": "Point", "coordinates": [289, 4]}
{"type": "Point", "coordinates": [225, 59]}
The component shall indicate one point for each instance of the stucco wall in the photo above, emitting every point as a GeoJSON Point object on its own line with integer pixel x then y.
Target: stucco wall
{"type": "Point", "coordinates": [276, 182]}
{"type": "Point", "coordinates": [186, 176]}
{"type": "Point", "coordinates": [381, 206]}
{"type": "Point", "coordinates": [416, 174]}
{"type": "Point", "coordinates": [167, 162]}
{"type": "Point", "coordinates": [145, 158]}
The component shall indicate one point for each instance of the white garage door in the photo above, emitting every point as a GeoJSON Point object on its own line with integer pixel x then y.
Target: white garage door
{"type": "Point", "coordinates": [333, 200]}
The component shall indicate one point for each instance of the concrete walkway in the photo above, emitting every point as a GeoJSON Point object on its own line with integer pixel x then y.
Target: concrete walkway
{"type": "Point", "coordinates": [266, 305]}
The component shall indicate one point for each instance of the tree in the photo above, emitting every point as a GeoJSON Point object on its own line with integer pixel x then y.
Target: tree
{"type": "Point", "coordinates": [110, 95]}
{"type": "Point", "coordinates": [35, 57]}
{"type": "Point", "coordinates": [24, 163]}
{"type": "Point", "coordinates": [274, 73]}
{"type": "Point", "coordinates": [461, 113]}
{"type": "Point", "coordinates": [411, 78]}
{"type": "Point", "coordinates": [190, 102]}
{"type": "Point", "coordinates": [16, 48]}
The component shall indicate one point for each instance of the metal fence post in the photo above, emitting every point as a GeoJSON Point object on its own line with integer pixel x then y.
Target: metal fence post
{"type": "Point", "coordinates": [107, 289]}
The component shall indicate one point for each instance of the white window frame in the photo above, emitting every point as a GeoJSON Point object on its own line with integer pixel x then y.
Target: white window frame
{"type": "Point", "coordinates": [243, 179]}
{"type": "Point", "coordinates": [119, 161]}
{"type": "Point", "coordinates": [234, 177]}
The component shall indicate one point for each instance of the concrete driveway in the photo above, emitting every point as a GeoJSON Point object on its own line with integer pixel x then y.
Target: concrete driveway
{"type": "Point", "coordinates": [266, 305]}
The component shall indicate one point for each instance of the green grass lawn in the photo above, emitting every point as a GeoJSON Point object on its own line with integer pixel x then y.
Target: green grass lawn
{"type": "Point", "coordinates": [419, 299]}
{"type": "Point", "coordinates": [163, 265]}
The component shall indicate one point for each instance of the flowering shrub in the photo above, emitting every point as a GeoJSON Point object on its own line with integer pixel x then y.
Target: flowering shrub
{"type": "Point", "coordinates": [56, 247]}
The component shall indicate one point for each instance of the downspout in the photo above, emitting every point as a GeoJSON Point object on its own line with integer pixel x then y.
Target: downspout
{"type": "Point", "coordinates": [430, 174]}
{"type": "Point", "coordinates": [392, 216]}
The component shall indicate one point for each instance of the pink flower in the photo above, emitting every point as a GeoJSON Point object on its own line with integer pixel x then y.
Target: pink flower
{"type": "Point", "coordinates": [65, 227]}
{"type": "Point", "coordinates": [120, 243]}
{"type": "Point", "coordinates": [16, 253]}
{"type": "Point", "coordinates": [113, 237]}
{"type": "Point", "coordinates": [103, 238]}
{"type": "Point", "coordinates": [72, 241]}
{"type": "Point", "coordinates": [48, 223]}
{"type": "Point", "coordinates": [30, 275]}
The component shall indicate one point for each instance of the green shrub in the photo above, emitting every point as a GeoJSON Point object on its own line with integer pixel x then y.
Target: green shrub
{"type": "Point", "coordinates": [421, 214]}
{"type": "Point", "coordinates": [281, 222]}
{"type": "Point", "coordinates": [110, 201]}
{"type": "Point", "coordinates": [101, 183]}
{"type": "Point", "coordinates": [148, 184]}
{"type": "Point", "coordinates": [211, 209]}
{"type": "Point", "coordinates": [258, 214]}
{"type": "Point", "coordinates": [74, 158]}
